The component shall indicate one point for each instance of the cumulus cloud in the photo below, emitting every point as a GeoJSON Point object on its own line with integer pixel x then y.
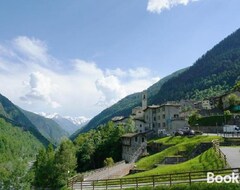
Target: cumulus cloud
{"type": "Point", "coordinates": [83, 88]}
{"type": "Point", "coordinates": [116, 72]}
{"type": "Point", "coordinates": [139, 72]}
{"type": "Point", "coordinates": [157, 6]}
{"type": "Point", "coordinates": [32, 48]}
{"type": "Point", "coordinates": [41, 88]}
{"type": "Point", "coordinates": [111, 90]}
{"type": "Point", "coordinates": [86, 68]}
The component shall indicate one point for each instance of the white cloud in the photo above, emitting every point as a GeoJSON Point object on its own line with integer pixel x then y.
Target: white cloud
{"type": "Point", "coordinates": [34, 83]}
{"type": "Point", "coordinates": [139, 72]}
{"type": "Point", "coordinates": [157, 6]}
{"type": "Point", "coordinates": [86, 68]}
{"type": "Point", "coordinates": [40, 88]}
{"type": "Point", "coordinates": [32, 48]}
{"type": "Point", "coordinates": [116, 72]}
{"type": "Point", "coordinates": [111, 90]}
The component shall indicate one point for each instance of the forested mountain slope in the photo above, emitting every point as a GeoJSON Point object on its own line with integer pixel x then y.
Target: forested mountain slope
{"type": "Point", "coordinates": [14, 115]}
{"type": "Point", "coordinates": [213, 74]}
{"type": "Point", "coordinates": [47, 127]}
{"type": "Point", "coordinates": [17, 149]}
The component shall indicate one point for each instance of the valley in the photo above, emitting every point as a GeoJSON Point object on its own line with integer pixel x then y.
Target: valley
{"type": "Point", "coordinates": [151, 132]}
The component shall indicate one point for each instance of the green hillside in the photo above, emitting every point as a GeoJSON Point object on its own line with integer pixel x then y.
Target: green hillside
{"type": "Point", "coordinates": [124, 106]}
{"type": "Point", "coordinates": [206, 161]}
{"type": "Point", "coordinates": [13, 115]}
{"type": "Point", "coordinates": [47, 127]}
{"type": "Point", "coordinates": [17, 148]}
{"type": "Point", "coordinates": [212, 74]}
{"type": "Point", "coordinates": [186, 144]}
{"type": "Point", "coordinates": [46, 130]}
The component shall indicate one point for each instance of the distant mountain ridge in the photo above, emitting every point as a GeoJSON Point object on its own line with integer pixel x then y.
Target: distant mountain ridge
{"type": "Point", "coordinates": [47, 127]}
{"type": "Point", "coordinates": [45, 130]}
{"type": "Point", "coordinates": [14, 115]}
{"type": "Point", "coordinates": [67, 123]}
{"type": "Point", "coordinates": [211, 75]}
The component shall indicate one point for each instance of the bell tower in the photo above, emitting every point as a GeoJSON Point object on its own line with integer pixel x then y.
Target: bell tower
{"type": "Point", "coordinates": [144, 99]}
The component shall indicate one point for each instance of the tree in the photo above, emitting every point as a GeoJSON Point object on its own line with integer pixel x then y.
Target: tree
{"type": "Point", "coordinates": [227, 112]}
{"type": "Point", "coordinates": [108, 162]}
{"type": "Point", "coordinates": [65, 163]}
{"type": "Point", "coordinates": [233, 100]}
{"type": "Point", "coordinates": [192, 120]}
{"type": "Point", "coordinates": [236, 87]}
{"type": "Point", "coordinates": [44, 168]}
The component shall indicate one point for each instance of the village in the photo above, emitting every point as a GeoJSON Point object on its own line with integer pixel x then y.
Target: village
{"type": "Point", "coordinates": [172, 118]}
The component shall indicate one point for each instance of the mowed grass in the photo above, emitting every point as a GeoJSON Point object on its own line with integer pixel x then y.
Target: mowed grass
{"type": "Point", "coordinates": [206, 161]}
{"type": "Point", "coordinates": [179, 144]}
{"type": "Point", "coordinates": [196, 186]}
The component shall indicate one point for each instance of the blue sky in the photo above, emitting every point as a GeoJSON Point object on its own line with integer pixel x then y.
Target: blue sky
{"type": "Point", "coordinates": [78, 57]}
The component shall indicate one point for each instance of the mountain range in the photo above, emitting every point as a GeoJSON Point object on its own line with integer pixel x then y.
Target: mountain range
{"type": "Point", "coordinates": [212, 74]}
{"type": "Point", "coordinates": [67, 123]}
{"type": "Point", "coordinates": [47, 129]}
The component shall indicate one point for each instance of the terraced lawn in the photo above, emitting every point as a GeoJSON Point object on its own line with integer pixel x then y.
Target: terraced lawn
{"type": "Point", "coordinates": [206, 161]}
{"type": "Point", "coordinates": [179, 144]}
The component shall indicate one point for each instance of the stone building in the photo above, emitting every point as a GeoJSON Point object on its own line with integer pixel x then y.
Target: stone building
{"type": "Point", "coordinates": [134, 145]}
{"type": "Point", "coordinates": [150, 118]}
{"type": "Point", "coordinates": [120, 120]}
{"type": "Point", "coordinates": [168, 120]}
{"type": "Point", "coordinates": [140, 125]}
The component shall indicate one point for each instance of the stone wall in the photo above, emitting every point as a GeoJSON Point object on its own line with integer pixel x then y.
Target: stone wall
{"type": "Point", "coordinates": [173, 160]}
{"type": "Point", "coordinates": [157, 147]}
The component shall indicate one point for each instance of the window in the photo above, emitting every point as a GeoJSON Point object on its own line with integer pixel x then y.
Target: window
{"type": "Point", "coordinates": [164, 124]}
{"type": "Point", "coordinates": [154, 118]}
{"type": "Point", "coordinates": [140, 131]}
{"type": "Point", "coordinates": [163, 116]}
{"type": "Point", "coordinates": [140, 125]}
{"type": "Point", "coordinates": [143, 139]}
{"type": "Point", "coordinates": [136, 139]}
{"type": "Point", "coordinates": [153, 125]}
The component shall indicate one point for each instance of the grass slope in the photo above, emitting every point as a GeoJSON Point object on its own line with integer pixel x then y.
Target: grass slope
{"type": "Point", "coordinates": [179, 144]}
{"type": "Point", "coordinates": [197, 186]}
{"type": "Point", "coordinates": [206, 161]}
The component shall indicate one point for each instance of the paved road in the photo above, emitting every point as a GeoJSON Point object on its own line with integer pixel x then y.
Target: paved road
{"type": "Point", "coordinates": [223, 135]}
{"type": "Point", "coordinates": [112, 172]}
{"type": "Point", "coordinates": [233, 156]}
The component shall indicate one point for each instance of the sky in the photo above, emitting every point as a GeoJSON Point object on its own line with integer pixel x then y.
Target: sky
{"type": "Point", "coordinates": [78, 57]}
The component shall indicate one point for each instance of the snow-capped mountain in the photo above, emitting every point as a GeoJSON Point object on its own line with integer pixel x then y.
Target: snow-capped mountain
{"type": "Point", "coordinates": [68, 123]}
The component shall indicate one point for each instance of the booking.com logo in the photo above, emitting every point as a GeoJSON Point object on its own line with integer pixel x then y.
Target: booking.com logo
{"type": "Point", "coordinates": [232, 178]}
